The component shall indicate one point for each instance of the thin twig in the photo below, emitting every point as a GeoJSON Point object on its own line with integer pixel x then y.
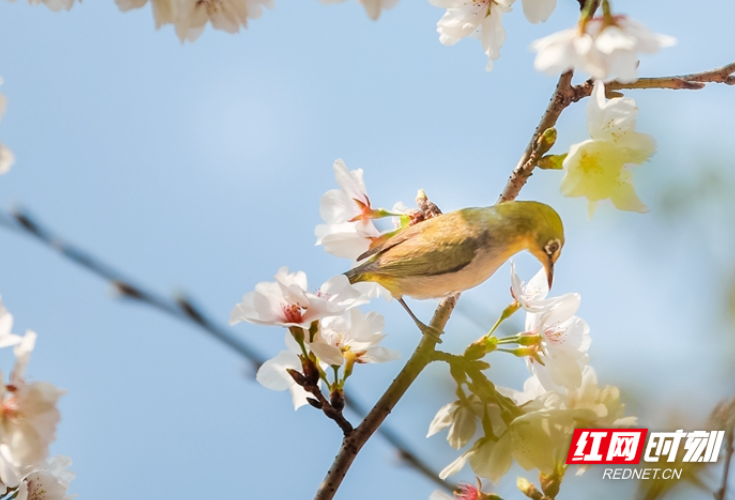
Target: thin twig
{"type": "Point", "coordinates": [692, 81]}
{"type": "Point", "coordinates": [184, 309]}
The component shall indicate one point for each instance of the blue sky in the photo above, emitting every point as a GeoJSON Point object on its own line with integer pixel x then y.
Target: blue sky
{"type": "Point", "coordinates": [199, 167]}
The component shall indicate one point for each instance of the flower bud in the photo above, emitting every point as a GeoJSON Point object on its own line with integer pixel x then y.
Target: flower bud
{"type": "Point", "coordinates": [297, 377]}
{"type": "Point", "coordinates": [480, 348]}
{"type": "Point", "coordinates": [546, 141]}
{"type": "Point", "coordinates": [528, 489]}
{"type": "Point", "coordinates": [311, 371]}
{"type": "Point", "coordinates": [337, 398]}
{"type": "Point", "coordinates": [529, 339]}
{"type": "Point", "coordinates": [550, 484]}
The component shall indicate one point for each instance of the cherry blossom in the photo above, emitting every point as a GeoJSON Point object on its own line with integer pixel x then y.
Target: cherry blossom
{"type": "Point", "coordinates": [480, 19]}
{"type": "Point", "coordinates": [531, 296]}
{"type": "Point", "coordinates": [538, 11]}
{"type": "Point", "coordinates": [461, 421]}
{"type": "Point", "coordinates": [373, 8]}
{"type": "Point", "coordinates": [49, 481]}
{"type": "Point", "coordinates": [348, 229]}
{"type": "Point", "coordinates": [225, 15]}
{"type": "Point", "coordinates": [598, 168]}
{"type": "Point", "coordinates": [352, 336]}
{"type": "Point", "coordinates": [564, 343]}
{"type": "Point", "coordinates": [28, 413]}
{"type": "Point", "coordinates": [604, 47]}
{"type": "Point", "coordinates": [287, 301]}
{"type": "Point", "coordinates": [273, 374]}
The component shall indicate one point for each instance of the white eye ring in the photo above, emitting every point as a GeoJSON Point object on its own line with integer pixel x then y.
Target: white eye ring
{"type": "Point", "coordinates": [552, 247]}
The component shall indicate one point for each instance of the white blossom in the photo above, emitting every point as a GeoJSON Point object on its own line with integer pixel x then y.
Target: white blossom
{"type": "Point", "coordinates": [7, 338]}
{"type": "Point", "coordinates": [605, 48]}
{"type": "Point", "coordinates": [598, 168]}
{"type": "Point", "coordinates": [287, 301]}
{"type": "Point", "coordinates": [6, 156]}
{"type": "Point", "coordinates": [538, 11]}
{"type": "Point", "coordinates": [353, 335]}
{"type": "Point", "coordinates": [540, 438]}
{"type": "Point", "coordinates": [225, 15]}
{"type": "Point", "coordinates": [50, 481]}
{"type": "Point", "coordinates": [348, 214]}
{"type": "Point", "coordinates": [440, 495]}
{"type": "Point", "coordinates": [28, 413]}
{"type": "Point", "coordinates": [347, 239]}
{"type": "Point", "coordinates": [11, 473]}
{"type": "Point", "coordinates": [164, 11]}
{"type": "Point", "coordinates": [488, 458]}
{"type": "Point", "coordinates": [564, 343]}
{"type": "Point", "coordinates": [273, 373]}
{"type": "Point", "coordinates": [531, 296]}
{"type": "Point", "coordinates": [477, 18]}
{"type": "Point", "coordinates": [348, 230]}
{"type": "Point", "coordinates": [461, 421]}
{"type": "Point", "coordinates": [189, 17]}
{"type": "Point", "coordinates": [532, 389]}
{"type": "Point", "coordinates": [54, 5]}
{"type": "Point", "coordinates": [373, 8]}
{"type": "Point", "coordinates": [373, 290]}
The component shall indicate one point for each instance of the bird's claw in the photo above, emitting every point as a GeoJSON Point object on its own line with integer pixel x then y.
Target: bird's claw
{"type": "Point", "coordinates": [432, 332]}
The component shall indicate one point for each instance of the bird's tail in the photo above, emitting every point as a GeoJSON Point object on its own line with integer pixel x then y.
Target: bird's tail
{"type": "Point", "coordinates": [355, 276]}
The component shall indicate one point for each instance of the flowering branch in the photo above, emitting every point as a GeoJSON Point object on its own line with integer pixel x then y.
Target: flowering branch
{"type": "Point", "coordinates": [184, 309]}
{"type": "Point", "coordinates": [353, 443]}
{"type": "Point", "coordinates": [566, 94]}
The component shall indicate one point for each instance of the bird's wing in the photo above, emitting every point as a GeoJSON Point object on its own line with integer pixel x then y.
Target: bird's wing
{"type": "Point", "coordinates": [394, 240]}
{"type": "Point", "coordinates": [440, 246]}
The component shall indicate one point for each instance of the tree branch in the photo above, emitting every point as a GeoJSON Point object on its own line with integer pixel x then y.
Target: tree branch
{"type": "Point", "coordinates": [562, 97]}
{"type": "Point", "coordinates": [353, 443]}
{"type": "Point", "coordinates": [184, 309]}
{"type": "Point", "coordinates": [566, 94]}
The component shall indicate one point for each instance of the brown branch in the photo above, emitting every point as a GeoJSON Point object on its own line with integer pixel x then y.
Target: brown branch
{"type": "Point", "coordinates": [562, 97]}
{"type": "Point", "coordinates": [184, 309]}
{"type": "Point", "coordinates": [353, 443]}
{"type": "Point", "coordinates": [566, 94]}
{"type": "Point", "coordinates": [332, 410]}
{"type": "Point", "coordinates": [692, 81]}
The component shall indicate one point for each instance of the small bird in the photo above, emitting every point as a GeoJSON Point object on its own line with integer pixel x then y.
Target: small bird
{"type": "Point", "coordinates": [457, 251]}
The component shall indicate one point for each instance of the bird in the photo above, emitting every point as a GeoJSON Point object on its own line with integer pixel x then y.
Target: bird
{"type": "Point", "coordinates": [456, 251]}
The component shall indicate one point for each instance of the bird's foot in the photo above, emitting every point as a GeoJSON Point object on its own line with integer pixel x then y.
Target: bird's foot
{"type": "Point", "coordinates": [432, 332]}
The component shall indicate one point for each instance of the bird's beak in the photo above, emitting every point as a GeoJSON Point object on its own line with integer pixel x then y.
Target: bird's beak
{"type": "Point", "coordinates": [549, 266]}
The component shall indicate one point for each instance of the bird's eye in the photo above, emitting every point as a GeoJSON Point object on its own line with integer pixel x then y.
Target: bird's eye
{"type": "Point", "coordinates": [552, 247]}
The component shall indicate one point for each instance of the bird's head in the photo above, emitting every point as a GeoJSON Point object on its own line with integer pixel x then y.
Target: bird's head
{"type": "Point", "coordinates": [548, 238]}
